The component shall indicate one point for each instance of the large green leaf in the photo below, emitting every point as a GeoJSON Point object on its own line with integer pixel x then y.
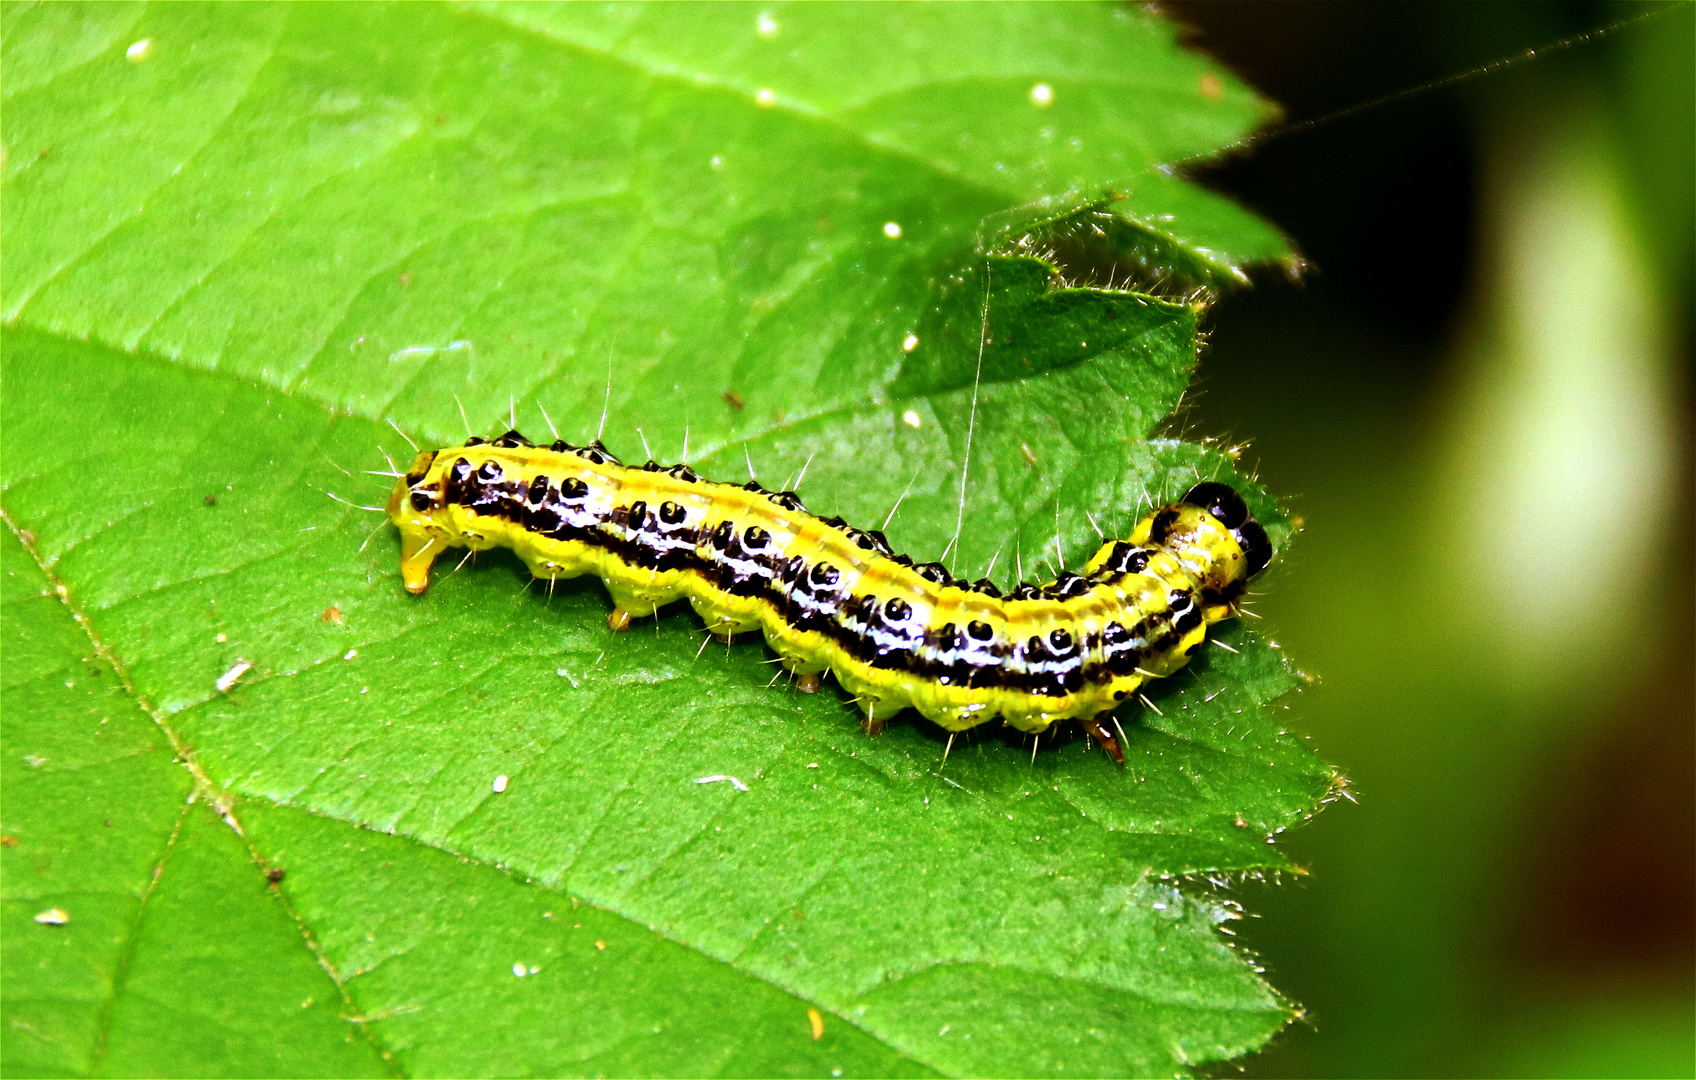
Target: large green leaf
{"type": "Point", "coordinates": [243, 245]}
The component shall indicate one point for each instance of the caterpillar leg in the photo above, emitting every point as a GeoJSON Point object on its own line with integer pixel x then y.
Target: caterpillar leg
{"type": "Point", "coordinates": [872, 722]}
{"type": "Point", "coordinates": [808, 677]}
{"type": "Point", "coordinates": [725, 630]}
{"type": "Point", "coordinates": [629, 605]}
{"type": "Point", "coordinates": [1094, 725]}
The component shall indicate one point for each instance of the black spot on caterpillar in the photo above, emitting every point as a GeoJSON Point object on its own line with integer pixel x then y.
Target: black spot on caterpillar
{"type": "Point", "coordinates": [830, 597]}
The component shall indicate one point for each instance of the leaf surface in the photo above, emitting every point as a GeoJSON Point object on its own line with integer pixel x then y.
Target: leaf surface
{"type": "Point", "coordinates": [234, 268]}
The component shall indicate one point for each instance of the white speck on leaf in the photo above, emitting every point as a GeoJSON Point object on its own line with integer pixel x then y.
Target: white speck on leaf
{"type": "Point", "coordinates": [1042, 95]}
{"type": "Point", "coordinates": [892, 229]}
{"type": "Point", "coordinates": [499, 784]}
{"type": "Point", "coordinates": [766, 27]}
{"type": "Point", "coordinates": [716, 777]}
{"type": "Point", "coordinates": [910, 418]}
{"type": "Point", "coordinates": [53, 916]}
{"type": "Point", "coordinates": [141, 52]}
{"type": "Point", "coordinates": [909, 343]}
{"type": "Point", "coordinates": [229, 678]}
{"type": "Point", "coordinates": [765, 99]}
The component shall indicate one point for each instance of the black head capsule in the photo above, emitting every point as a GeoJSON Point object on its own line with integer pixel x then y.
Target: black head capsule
{"type": "Point", "coordinates": [1220, 500]}
{"type": "Point", "coordinates": [1257, 548]}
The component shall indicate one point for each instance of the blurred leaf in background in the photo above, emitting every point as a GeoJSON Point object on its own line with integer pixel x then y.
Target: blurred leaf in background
{"type": "Point", "coordinates": [265, 813]}
{"type": "Point", "coordinates": [1482, 399]}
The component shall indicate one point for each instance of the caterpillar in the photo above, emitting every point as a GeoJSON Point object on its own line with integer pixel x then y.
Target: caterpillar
{"type": "Point", "coordinates": [830, 597]}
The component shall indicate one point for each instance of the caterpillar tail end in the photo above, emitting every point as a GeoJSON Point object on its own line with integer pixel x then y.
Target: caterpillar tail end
{"type": "Point", "coordinates": [1093, 725]}
{"type": "Point", "coordinates": [417, 552]}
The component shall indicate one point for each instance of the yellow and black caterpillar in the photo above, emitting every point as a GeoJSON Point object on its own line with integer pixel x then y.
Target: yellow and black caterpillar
{"type": "Point", "coordinates": [832, 597]}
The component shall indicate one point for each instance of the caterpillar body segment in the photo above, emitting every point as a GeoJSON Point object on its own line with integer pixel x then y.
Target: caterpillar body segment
{"type": "Point", "coordinates": [830, 597]}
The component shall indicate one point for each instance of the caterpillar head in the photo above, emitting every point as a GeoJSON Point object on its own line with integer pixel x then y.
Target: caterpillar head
{"type": "Point", "coordinates": [1212, 533]}
{"type": "Point", "coordinates": [1228, 508]}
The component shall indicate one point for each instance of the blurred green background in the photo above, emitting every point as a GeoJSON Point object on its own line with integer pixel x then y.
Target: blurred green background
{"type": "Point", "coordinates": [1479, 401]}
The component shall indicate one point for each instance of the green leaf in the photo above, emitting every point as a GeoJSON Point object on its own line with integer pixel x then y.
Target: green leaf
{"type": "Point", "coordinates": [240, 257]}
{"type": "Point", "coordinates": [137, 931]}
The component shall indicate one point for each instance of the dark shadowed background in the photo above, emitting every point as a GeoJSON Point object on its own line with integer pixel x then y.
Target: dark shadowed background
{"type": "Point", "coordinates": [1479, 400]}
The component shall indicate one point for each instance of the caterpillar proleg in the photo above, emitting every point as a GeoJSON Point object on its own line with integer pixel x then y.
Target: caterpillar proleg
{"type": "Point", "coordinates": [830, 597]}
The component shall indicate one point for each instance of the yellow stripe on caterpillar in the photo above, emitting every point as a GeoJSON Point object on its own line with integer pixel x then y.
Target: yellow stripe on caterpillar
{"type": "Point", "coordinates": [830, 597]}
